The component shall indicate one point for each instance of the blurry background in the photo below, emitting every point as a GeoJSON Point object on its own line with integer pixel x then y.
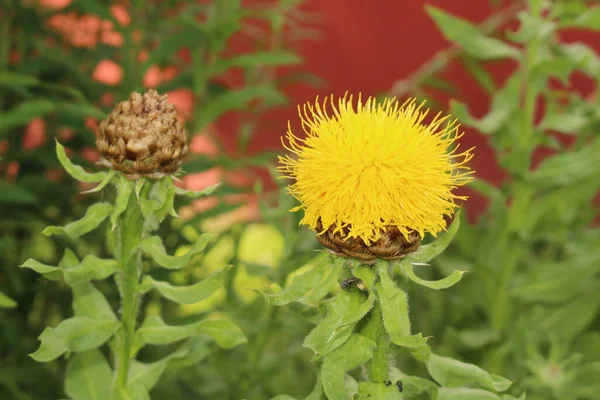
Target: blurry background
{"type": "Point", "coordinates": [236, 72]}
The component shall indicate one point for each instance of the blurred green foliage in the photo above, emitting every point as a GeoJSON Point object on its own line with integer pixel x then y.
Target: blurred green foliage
{"type": "Point", "coordinates": [527, 309]}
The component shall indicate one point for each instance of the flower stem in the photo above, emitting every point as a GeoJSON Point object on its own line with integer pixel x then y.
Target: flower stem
{"type": "Point", "coordinates": [130, 234]}
{"type": "Point", "coordinates": [378, 368]}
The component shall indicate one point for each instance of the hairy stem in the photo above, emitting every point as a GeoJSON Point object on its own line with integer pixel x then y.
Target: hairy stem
{"type": "Point", "coordinates": [130, 234]}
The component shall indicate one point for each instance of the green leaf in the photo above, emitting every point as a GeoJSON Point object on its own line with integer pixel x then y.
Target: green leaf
{"type": "Point", "coordinates": [192, 352]}
{"type": "Point", "coordinates": [107, 179]}
{"type": "Point", "coordinates": [75, 170]}
{"type": "Point", "coordinates": [470, 38]}
{"type": "Point", "coordinates": [343, 312]}
{"type": "Point", "coordinates": [154, 247]}
{"type": "Point", "coordinates": [569, 123]}
{"type": "Point", "coordinates": [356, 351]}
{"type": "Point", "coordinates": [568, 168]}
{"type": "Point", "coordinates": [14, 194]}
{"type": "Point", "coordinates": [590, 19]}
{"type": "Point", "coordinates": [299, 287]}
{"type": "Point", "coordinates": [236, 99]}
{"type": "Point", "coordinates": [569, 320]}
{"type": "Point", "coordinates": [146, 374]}
{"type": "Point", "coordinates": [15, 79]}
{"type": "Point", "coordinates": [186, 294]}
{"type": "Point", "coordinates": [378, 390]}
{"type": "Point", "coordinates": [428, 252]}
{"type": "Point", "coordinates": [258, 59]}
{"type": "Point", "coordinates": [88, 301]}
{"type": "Point", "coordinates": [449, 281]}
{"type": "Point", "coordinates": [6, 302]}
{"type": "Point", "coordinates": [317, 392]}
{"type": "Point", "coordinates": [194, 194]}
{"type": "Point", "coordinates": [93, 217]}
{"type": "Point", "coordinates": [74, 335]}
{"type": "Point", "coordinates": [154, 331]}
{"type": "Point", "coordinates": [465, 394]}
{"type": "Point", "coordinates": [283, 397]}
{"type": "Point", "coordinates": [25, 112]}
{"type": "Point", "coordinates": [124, 192]}
{"type": "Point", "coordinates": [91, 268]}
{"type": "Point", "coordinates": [49, 272]}
{"type": "Point", "coordinates": [394, 309]}
{"type": "Point", "coordinates": [452, 373]}
{"type": "Point", "coordinates": [88, 376]}
{"type": "Point", "coordinates": [413, 386]}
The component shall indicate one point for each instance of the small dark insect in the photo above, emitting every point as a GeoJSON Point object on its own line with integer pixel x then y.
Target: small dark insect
{"type": "Point", "coordinates": [400, 386]}
{"type": "Point", "coordinates": [353, 281]}
{"type": "Point", "coordinates": [387, 383]}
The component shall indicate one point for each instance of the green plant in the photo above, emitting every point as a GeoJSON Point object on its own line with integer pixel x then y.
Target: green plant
{"type": "Point", "coordinates": [140, 206]}
{"type": "Point", "coordinates": [50, 63]}
{"type": "Point", "coordinates": [365, 202]}
{"type": "Point", "coordinates": [528, 310]}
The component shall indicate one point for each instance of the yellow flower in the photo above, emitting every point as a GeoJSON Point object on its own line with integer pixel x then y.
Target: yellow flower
{"type": "Point", "coordinates": [363, 170]}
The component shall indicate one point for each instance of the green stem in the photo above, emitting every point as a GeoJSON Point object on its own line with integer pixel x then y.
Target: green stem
{"type": "Point", "coordinates": [130, 233]}
{"type": "Point", "coordinates": [378, 368]}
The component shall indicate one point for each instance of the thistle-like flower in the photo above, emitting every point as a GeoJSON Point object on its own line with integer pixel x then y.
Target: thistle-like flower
{"type": "Point", "coordinates": [142, 137]}
{"type": "Point", "coordinates": [374, 178]}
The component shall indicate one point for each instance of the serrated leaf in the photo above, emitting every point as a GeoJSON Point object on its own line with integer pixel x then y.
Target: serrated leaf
{"type": "Point", "coordinates": [343, 312]}
{"type": "Point", "coordinates": [449, 281]}
{"type": "Point", "coordinates": [378, 390]}
{"type": "Point", "coordinates": [146, 374]}
{"type": "Point", "coordinates": [50, 272]}
{"type": "Point", "coordinates": [568, 168]}
{"type": "Point", "coordinates": [76, 171]}
{"type": "Point", "coordinates": [236, 99]}
{"type": "Point", "coordinates": [107, 179]}
{"type": "Point", "coordinates": [186, 294]}
{"type": "Point", "coordinates": [93, 217]}
{"type": "Point", "coordinates": [394, 309]}
{"type": "Point", "coordinates": [356, 351]}
{"type": "Point", "coordinates": [88, 301]}
{"type": "Point", "coordinates": [194, 194]}
{"type": "Point", "coordinates": [465, 394]}
{"type": "Point", "coordinates": [154, 331]}
{"type": "Point", "coordinates": [428, 252]}
{"type": "Point", "coordinates": [124, 192]}
{"type": "Point", "coordinates": [300, 286]}
{"type": "Point", "coordinates": [91, 268]}
{"type": "Point", "coordinates": [74, 335]}
{"type": "Point", "coordinates": [470, 38]}
{"type": "Point", "coordinates": [154, 247]}
{"type": "Point", "coordinates": [6, 302]}
{"type": "Point", "coordinates": [258, 59]}
{"type": "Point", "coordinates": [88, 376]}
{"type": "Point", "coordinates": [453, 373]}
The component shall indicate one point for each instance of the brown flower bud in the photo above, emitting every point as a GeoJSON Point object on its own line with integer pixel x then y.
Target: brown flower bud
{"type": "Point", "coordinates": [392, 244]}
{"type": "Point", "coordinates": [142, 137]}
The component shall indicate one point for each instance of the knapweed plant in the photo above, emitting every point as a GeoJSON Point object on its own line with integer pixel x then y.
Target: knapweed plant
{"type": "Point", "coordinates": [374, 180]}
{"type": "Point", "coordinates": [142, 143]}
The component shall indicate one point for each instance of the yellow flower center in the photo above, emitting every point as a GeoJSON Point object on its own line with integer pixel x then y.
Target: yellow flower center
{"type": "Point", "coordinates": [367, 167]}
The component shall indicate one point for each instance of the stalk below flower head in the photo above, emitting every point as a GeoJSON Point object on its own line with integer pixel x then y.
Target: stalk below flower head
{"type": "Point", "coordinates": [373, 178]}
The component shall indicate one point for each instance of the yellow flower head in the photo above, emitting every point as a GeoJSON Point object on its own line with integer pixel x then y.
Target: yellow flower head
{"type": "Point", "coordinates": [363, 169]}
